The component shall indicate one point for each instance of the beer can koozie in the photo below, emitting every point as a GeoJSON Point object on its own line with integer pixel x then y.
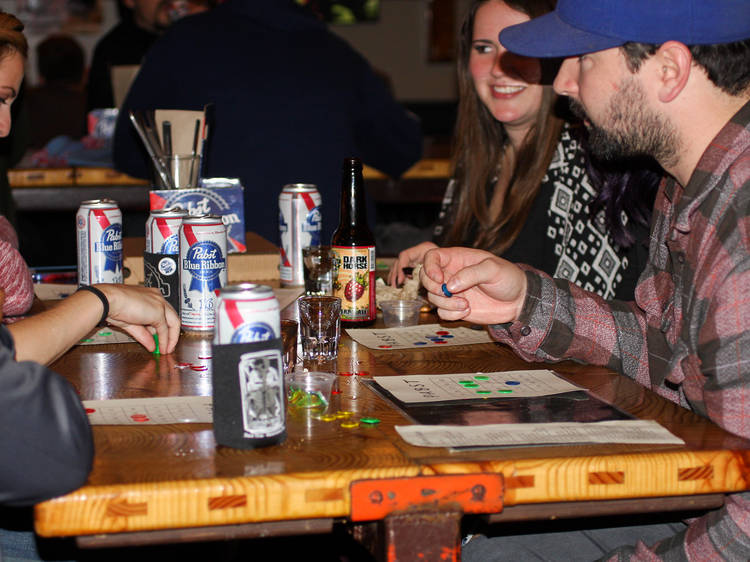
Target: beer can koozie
{"type": "Point", "coordinates": [99, 242]}
{"type": "Point", "coordinates": [249, 404]}
{"type": "Point", "coordinates": [247, 313]}
{"type": "Point", "coordinates": [162, 272]}
{"type": "Point", "coordinates": [300, 224]}
{"type": "Point", "coordinates": [203, 270]}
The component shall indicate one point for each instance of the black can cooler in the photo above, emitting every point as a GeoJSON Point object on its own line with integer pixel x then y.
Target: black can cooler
{"type": "Point", "coordinates": [162, 271]}
{"type": "Point", "coordinates": [249, 398]}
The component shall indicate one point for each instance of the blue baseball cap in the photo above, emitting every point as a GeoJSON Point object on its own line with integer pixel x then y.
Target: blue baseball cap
{"type": "Point", "coordinates": [585, 26]}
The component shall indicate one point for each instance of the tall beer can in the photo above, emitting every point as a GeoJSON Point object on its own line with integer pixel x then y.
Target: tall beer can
{"type": "Point", "coordinates": [203, 270]}
{"type": "Point", "coordinates": [249, 402]}
{"type": "Point", "coordinates": [163, 231]}
{"type": "Point", "coordinates": [300, 224]}
{"type": "Point", "coordinates": [99, 237]}
{"type": "Point", "coordinates": [247, 313]}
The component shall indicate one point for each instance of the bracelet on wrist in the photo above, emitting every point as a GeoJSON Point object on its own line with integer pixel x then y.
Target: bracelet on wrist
{"type": "Point", "coordinates": [102, 297]}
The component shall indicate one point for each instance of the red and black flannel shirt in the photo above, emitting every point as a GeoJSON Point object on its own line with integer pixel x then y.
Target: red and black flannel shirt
{"type": "Point", "coordinates": [686, 336]}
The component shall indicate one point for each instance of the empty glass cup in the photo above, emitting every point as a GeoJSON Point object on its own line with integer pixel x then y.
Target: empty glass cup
{"type": "Point", "coordinates": [320, 321]}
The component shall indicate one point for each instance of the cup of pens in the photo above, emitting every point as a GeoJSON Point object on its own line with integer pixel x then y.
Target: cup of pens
{"type": "Point", "coordinates": [182, 171]}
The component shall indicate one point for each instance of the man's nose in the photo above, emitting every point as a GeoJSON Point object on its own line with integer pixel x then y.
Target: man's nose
{"type": "Point", "coordinates": [566, 81]}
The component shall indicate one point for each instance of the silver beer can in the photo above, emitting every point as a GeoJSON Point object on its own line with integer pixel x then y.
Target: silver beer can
{"type": "Point", "coordinates": [99, 242]}
{"type": "Point", "coordinates": [203, 270]}
{"type": "Point", "coordinates": [300, 223]}
{"type": "Point", "coordinates": [163, 230]}
{"type": "Point", "coordinates": [247, 313]}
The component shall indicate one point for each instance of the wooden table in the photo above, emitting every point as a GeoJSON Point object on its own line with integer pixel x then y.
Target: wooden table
{"type": "Point", "coordinates": [154, 484]}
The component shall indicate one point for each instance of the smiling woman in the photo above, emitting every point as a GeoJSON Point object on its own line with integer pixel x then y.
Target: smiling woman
{"type": "Point", "coordinates": [523, 187]}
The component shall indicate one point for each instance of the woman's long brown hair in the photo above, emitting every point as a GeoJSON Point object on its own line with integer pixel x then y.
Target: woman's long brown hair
{"type": "Point", "coordinates": [480, 142]}
{"type": "Point", "coordinates": [12, 38]}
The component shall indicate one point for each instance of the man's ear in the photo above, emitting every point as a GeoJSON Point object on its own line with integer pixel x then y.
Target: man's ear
{"type": "Point", "coordinates": [673, 62]}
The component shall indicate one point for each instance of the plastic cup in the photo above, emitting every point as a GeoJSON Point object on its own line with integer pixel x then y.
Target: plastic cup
{"type": "Point", "coordinates": [401, 313]}
{"type": "Point", "coordinates": [310, 389]}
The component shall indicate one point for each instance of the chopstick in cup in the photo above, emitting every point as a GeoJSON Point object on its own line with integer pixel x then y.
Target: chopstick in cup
{"type": "Point", "coordinates": [166, 135]}
{"type": "Point", "coordinates": [150, 149]}
{"type": "Point", "coordinates": [196, 133]}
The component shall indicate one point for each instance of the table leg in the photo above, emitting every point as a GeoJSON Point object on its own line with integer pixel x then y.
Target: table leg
{"type": "Point", "coordinates": [430, 535]}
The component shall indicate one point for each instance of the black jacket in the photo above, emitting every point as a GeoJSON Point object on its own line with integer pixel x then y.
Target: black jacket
{"type": "Point", "coordinates": [46, 446]}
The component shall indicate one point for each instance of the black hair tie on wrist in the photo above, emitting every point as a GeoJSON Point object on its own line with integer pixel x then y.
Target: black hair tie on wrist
{"type": "Point", "coordinates": [102, 297]}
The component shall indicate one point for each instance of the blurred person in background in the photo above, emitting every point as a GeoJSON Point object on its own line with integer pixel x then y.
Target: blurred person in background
{"type": "Point", "coordinates": [57, 105]}
{"type": "Point", "coordinates": [141, 24]}
{"type": "Point", "coordinates": [291, 101]}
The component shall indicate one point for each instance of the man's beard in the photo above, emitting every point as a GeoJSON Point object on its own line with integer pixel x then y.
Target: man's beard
{"type": "Point", "coordinates": [632, 129]}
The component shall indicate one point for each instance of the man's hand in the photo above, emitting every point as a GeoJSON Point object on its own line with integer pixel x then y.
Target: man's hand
{"type": "Point", "coordinates": [485, 289]}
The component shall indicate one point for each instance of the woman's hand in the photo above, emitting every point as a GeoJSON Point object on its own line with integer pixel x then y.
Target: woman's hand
{"type": "Point", "coordinates": [408, 258]}
{"type": "Point", "coordinates": [142, 312]}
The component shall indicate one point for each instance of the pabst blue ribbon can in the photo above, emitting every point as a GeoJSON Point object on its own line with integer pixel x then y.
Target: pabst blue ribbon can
{"type": "Point", "coordinates": [203, 270]}
{"type": "Point", "coordinates": [99, 233]}
{"type": "Point", "coordinates": [247, 313]}
{"type": "Point", "coordinates": [300, 223]}
{"type": "Point", "coordinates": [163, 231]}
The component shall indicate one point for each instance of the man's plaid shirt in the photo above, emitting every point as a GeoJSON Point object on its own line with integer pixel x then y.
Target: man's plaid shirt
{"type": "Point", "coordinates": [687, 335]}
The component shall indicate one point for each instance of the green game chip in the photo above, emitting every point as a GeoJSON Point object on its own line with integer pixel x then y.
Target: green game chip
{"type": "Point", "coordinates": [484, 392]}
{"type": "Point", "coordinates": [482, 377]}
{"type": "Point", "coordinates": [505, 391]}
{"type": "Point", "coordinates": [370, 421]}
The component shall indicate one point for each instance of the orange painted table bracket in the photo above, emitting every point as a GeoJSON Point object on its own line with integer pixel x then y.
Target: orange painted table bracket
{"type": "Point", "coordinates": [474, 493]}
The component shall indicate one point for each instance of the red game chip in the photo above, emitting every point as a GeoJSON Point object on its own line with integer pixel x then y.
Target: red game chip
{"type": "Point", "coordinates": [442, 333]}
{"type": "Point", "coordinates": [139, 417]}
{"type": "Point", "coordinates": [199, 368]}
{"type": "Point", "coordinates": [90, 410]}
{"type": "Point", "coordinates": [385, 346]}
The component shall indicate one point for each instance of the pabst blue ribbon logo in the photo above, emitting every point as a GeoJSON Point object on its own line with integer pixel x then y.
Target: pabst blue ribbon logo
{"type": "Point", "coordinates": [205, 263]}
{"type": "Point", "coordinates": [171, 245]}
{"type": "Point", "coordinates": [253, 332]}
{"type": "Point", "coordinates": [110, 245]}
{"type": "Point", "coordinates": [313, 224]}
{"type": "Point", "coordinates": [283, 226]}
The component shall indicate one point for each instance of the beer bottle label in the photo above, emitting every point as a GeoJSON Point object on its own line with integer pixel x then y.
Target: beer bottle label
{"type": "Point", "coordinates": [355, 282]}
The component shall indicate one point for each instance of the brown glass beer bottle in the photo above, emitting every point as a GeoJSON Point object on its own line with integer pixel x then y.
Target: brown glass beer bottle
{"type": "Point", "coordinates": [354, 247]}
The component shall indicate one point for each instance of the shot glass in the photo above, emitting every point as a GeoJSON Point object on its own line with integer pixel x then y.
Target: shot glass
{"type": "Point", "coordinates": [320, 325]}
{"type": "Point", "coordinates": [401, 313]}
{"type": "Point", "coordinates": [317, 265]}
